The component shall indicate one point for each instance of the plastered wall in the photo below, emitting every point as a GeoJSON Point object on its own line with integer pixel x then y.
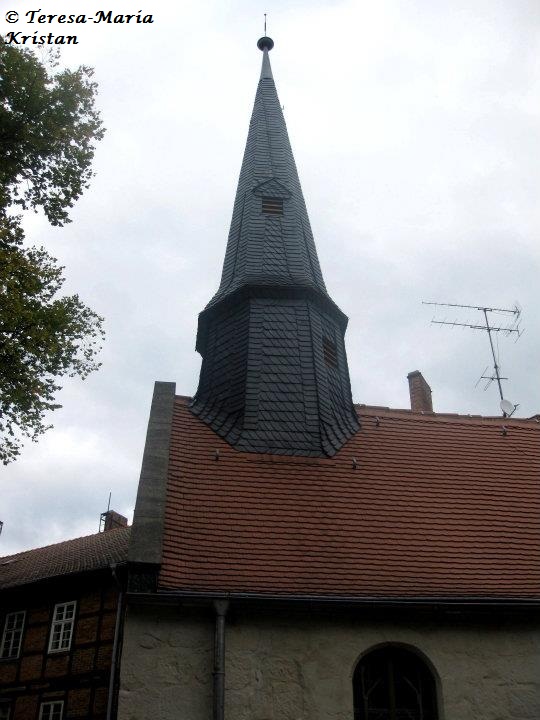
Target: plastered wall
{"type": "Point", "coordinates": [300, 668]}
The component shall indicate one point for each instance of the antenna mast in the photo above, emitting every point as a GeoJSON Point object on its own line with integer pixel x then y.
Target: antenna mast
{"type": "Point", "coordinates": [507, 407]}
{"type": "Point", "coordinates": [103, 516]}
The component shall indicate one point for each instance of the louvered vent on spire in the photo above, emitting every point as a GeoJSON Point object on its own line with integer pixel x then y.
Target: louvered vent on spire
{"type": "Point", "coordinates": [265, 385]}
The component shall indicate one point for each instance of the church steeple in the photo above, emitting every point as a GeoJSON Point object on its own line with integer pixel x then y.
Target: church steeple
{"type": "Point", "coordinates": [274, 376]}
{"type": "Point", "coordinates": [269, 242]}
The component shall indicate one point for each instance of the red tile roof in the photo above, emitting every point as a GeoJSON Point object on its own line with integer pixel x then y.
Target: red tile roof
{"type": "Point", "coordinates": [72, 556]}
{"type": "Point", "coordinates": [438, 505]}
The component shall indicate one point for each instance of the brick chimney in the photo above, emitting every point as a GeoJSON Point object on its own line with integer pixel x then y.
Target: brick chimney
{"type": "Point", "coordinates": [113, 520]}
{"type": "Point", "coordinates": [420, 392]}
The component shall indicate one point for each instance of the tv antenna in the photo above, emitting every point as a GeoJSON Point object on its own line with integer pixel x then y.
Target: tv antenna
{"type": "Point", "coordinates": [508, 408]}
{"type": "Point", "coordinates": [103, 516]}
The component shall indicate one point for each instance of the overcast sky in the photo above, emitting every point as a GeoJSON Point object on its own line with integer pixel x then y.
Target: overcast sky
{"type": "Point", "coordinates": [415, 128]}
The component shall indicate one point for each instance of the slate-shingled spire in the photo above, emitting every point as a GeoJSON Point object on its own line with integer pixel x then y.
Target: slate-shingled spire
{"type": "Point", "coordinates": [274, 376]}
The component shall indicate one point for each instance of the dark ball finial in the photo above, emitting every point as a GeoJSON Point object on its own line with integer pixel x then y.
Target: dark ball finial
{"type": "Point", "coordinates": [265, 43]}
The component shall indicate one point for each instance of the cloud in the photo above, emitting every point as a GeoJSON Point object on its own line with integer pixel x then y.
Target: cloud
{"type": "Point", "coordinates": [415, 130]}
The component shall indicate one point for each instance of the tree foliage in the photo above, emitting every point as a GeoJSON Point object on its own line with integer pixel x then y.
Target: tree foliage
{"type": "Point", "coordinates": [42, 337]}
{"type": "Point", "coordinates": [48, 127]}
{"type": "Point", "coordinates": [48, 130]}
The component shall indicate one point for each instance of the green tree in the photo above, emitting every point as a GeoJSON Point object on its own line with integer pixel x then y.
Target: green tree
{"type": "Point", "coordinates": [48, 130]}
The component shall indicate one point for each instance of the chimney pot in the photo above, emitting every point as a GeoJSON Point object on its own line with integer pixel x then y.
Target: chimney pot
{"type": "Point", "coordinates": [420, 392]}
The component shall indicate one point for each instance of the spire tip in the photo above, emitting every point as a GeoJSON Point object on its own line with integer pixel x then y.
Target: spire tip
{"type": "Point", "coordinates": [265, 43]}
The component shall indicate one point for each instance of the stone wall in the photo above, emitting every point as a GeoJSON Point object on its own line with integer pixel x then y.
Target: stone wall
{"type": "Point", "coordinates": [300, 667]}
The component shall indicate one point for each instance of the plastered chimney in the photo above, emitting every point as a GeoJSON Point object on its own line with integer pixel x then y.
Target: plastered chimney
{"type": "Point", "coordinates": [420, 392]}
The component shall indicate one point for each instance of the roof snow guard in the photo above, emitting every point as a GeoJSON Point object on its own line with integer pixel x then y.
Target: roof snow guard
{"type": "Point", "coordinates": [265, 383]}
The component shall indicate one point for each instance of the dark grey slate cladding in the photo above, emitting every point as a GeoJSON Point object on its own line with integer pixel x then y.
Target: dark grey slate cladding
{"type": "Point", "coordinates": [220, 398]}
{"type": "Point", "coordinates": [265, 386]}
{"type": "Point", "coordinates": [268, 157]}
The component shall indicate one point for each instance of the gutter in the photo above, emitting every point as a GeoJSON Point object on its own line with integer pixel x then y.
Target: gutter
{"type": "Point", "coordinates": [440, 602]}
{"type": "Point", "coordinates": [116, 642]}
{"type": "Point", "coordinates": [221, 607]}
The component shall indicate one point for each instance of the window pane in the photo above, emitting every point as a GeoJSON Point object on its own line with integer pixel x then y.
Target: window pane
{"type": "Point", "coordinates": [62, 626]}
{"type": "Point", "coordinates": [51, 710]}
{"type": "Point", "coordinates": [393, 683]}
{"type": "Point", "coordinates": [12, 635]}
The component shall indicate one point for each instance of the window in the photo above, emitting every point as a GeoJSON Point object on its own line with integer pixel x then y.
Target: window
{"type": "Point", "coordinates": [51, 710]}
{"type": "Point", "coordinates": [62, 627]}
{"type": "Point", "coordinates": [4, 709]}
{"type": "Point", "coordinates": [12, 637]}
{"type": "Point", "coordinates": [330, 353]}
{"type": "Point", "coordinates": [272, 206]}
{"type": "Point", "coordinates": [393, 683]}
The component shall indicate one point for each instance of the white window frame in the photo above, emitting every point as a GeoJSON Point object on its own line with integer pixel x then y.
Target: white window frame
{"type": "Point", "coordinates": [9, 637]}
{"type": "Point", "coordinates": [50, 706]}
{"type": "Point", "coordinates": [62, 626]}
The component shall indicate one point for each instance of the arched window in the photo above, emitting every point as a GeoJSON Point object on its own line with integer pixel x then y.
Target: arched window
{"type": "Point", "coordinates": [393, 683]}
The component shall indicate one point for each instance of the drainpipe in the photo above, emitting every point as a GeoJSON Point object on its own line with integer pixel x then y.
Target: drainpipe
{"type": "Point", "coordinates": [220, 607]}
{"type": "Point", "coordinates": [117, 629]}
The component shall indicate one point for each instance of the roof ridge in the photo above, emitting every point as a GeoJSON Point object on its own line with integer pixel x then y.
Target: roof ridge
{"type": "Point", "coordinates": [442, 416]}
{"type": "Point", "coordinates": [365, 409]}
